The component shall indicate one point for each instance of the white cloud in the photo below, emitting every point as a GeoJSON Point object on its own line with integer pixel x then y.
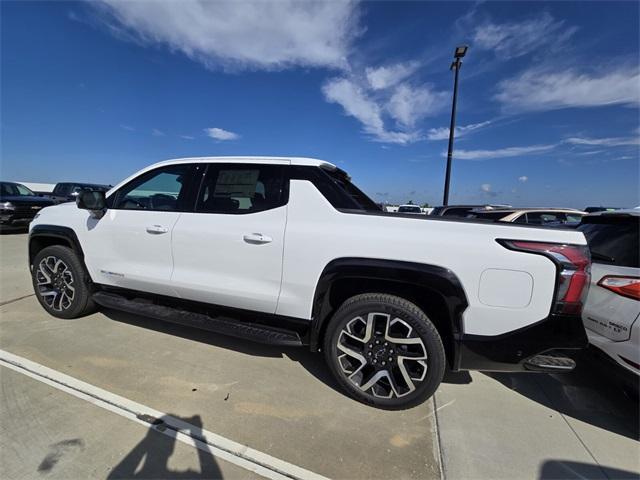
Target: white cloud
{"type": "Point", "coordinates": [523, 179]}
{"type": "Point", "coordinates": [442, 133]}
{"type": "Point", "coordinates": [388, 76]}
{"type": "Point", "coordinates": [487, 190]}
{"type": "Point", "coordinates": [129, 128]}
{"type": "Point", "coordinates": [537, 89]}
{"type": "Point", "coordinates": [157, 133]}
{"type": "Point", "coordinates": [356, 103]}
{"type": "Point", "coordinates": [240, 35]}
{"type": "Point", "coordinates": [187, 137]}
{"type": "Point", "coordinates": [221, 134]}
{"type": "Point", "coordinates": [607, 142]}
{"type": "Point", "coordinates": [407, 105]}
{"type": "Point", "coordinates": [500, 152]}
{"type": "Point", "coordinates": [514, 39]}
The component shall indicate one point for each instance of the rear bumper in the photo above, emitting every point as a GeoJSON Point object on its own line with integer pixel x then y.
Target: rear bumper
{"type": "Point", "coordinates": [509, 352]}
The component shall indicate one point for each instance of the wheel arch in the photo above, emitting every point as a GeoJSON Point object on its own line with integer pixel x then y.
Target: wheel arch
{"type": "Point", "coordinates": [42, 236]}
{"type": "Point", "coordinates": [436, 290]}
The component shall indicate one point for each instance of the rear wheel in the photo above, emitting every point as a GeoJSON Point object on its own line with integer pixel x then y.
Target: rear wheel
{"type": "Point", "coordinates": [384, 351]}
{"type": "Point", "coordinates": [60, 283]}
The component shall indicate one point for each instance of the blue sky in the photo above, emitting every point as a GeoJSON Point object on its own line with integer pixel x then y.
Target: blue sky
{"type": "Point", "coordinates": [548, 109]}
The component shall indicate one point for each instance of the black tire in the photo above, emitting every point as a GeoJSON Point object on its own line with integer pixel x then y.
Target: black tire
{"type": "Point", "coordinates": [67, 295]}
{"type": "Point", "coordinates": [383, 308]}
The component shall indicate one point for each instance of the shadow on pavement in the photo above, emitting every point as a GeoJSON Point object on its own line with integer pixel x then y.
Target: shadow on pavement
{"type": "Point", "coordinates": [587, 394]}
{"type": "Point", "coordinates": [310, 361]}
{"type": "Point", "coordinates": [150, 457]}
{"type": "Point", "coordinates": [5, 230]}
{"type": "Point", "coordinates": [565, 469]}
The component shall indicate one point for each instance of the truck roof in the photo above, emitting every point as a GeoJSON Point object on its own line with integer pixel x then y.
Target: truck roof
{"type": "Point", "coordinates": [314, 162]}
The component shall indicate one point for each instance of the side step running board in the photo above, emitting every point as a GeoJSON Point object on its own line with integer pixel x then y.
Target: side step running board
{"type": "Point", "coordinates": [550, 363]}
{"type": "Point", "coordinates": [226, 326]}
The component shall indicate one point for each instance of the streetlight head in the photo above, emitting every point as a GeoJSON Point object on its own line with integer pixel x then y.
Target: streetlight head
{"type": "Point", "coordinates": [460, 51]}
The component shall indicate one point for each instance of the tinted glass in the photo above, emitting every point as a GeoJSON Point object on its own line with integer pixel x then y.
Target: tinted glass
{"type": "Point", "coordinates": [521, 219]}
{"type": "Point", "coordinates": [23, 190]}
{"type": "Point", "coordinates": [613, 240]}
{"type": "Point", "coordinates": [409, 210]}
{"type": "Point", "coordinates": [489, 215]}
{"type": "Point", "coordinates": [457, 212]}
{"type": "Point", "coordinates": [14, 190]}
{"type": "Point", "coordinates": [241, 189]}
{"type": "Point", "coordinates": [62, 189]}
{"type": "Point", "coordinates": [343, 182]}
{"type": "Point", "coordinates": [574, 217]}
{"type": "Point", "coordinates": [162, 189]}
{"type": "Point", "coordinates": [540, 218]}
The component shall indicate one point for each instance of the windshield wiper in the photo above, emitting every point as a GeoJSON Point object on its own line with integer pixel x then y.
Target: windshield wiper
{"type": "Point", "coordinates": [600, 256]}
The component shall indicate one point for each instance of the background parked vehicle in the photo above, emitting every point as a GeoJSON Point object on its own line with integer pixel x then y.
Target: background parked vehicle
{"type": "Point", "coordinates": [68, 191]}
{"type": "Point", "coordinates": [612, 310]}
{"type": "Point", "coordinates": [600, 209]}
{"type": "Point", "coordinates": [410, 209]}
{"type": "Point", "coordinates": [462, 210]}
{"type": "Point", "coordinates": [530, 216]}
{"type": "Point", "coordinates": [18, 204]}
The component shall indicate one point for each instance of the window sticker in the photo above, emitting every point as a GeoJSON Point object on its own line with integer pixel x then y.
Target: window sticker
{"type": "Point", "coordinates": [241, 183]}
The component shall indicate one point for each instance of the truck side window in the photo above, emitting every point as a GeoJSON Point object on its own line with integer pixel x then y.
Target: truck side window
{"type": "Point", "coordinates": [162, 189]}
{"type": "Point", "coordinates": [229, 188]}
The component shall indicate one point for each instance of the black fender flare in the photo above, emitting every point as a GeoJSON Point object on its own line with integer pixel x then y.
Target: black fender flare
{"type": "Point", "coordinates": [440, 279]}
{"type": "Point", "coordinates": [54, 231]}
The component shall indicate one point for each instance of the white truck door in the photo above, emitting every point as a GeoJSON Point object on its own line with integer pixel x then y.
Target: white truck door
{"type": "Point", "coordinates": [229, 251]}
{"type": "Point", "coordinates": [130, 246]}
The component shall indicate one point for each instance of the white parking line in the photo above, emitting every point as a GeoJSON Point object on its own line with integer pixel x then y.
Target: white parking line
{"type": "Point", "coordinates": [221, 447]}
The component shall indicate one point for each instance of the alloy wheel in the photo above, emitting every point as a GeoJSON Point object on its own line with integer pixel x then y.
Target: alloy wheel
{"type": "Point", "coordinates": [55, 283]}
{"type": "Point", "coordinates": [382, 355]}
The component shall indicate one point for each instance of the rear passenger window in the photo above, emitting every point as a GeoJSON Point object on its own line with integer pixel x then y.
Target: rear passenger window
{"type": "Point", "coordinates": [238, 189]}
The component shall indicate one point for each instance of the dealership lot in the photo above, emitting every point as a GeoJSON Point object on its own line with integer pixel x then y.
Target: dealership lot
{"type": "Point", "coordinates": [280, 402]}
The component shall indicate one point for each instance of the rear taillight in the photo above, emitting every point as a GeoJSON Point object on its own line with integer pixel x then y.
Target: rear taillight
{"type": "Point", "coordinates": [622, 285]}
{"type": "Point", "coordinates": [574, 267]}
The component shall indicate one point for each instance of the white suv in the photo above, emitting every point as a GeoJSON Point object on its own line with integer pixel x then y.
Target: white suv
{"type": "Point", "coordinates": [288, 251]}
{"type": "Point", "coordinates": [612, 311]}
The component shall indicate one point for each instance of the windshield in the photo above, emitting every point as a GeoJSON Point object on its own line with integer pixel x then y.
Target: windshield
{"type": "Point", "coordinates": [14, 190]}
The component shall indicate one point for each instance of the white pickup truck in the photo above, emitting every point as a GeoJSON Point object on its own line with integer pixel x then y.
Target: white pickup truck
{"type": "Point", "coordinates": [288, 251]}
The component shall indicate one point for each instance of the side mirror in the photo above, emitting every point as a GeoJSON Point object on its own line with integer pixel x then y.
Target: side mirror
{"type": "Point", "coordinates": [92, 200]}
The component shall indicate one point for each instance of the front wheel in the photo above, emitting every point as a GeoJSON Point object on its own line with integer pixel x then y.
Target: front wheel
{"type": "Point", "coordinates": [59, 282]}
{"type": "Point", "coordinates": [384, 351]}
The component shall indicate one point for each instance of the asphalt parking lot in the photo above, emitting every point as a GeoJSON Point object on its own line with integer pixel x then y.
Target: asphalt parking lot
{"type": "Point", "coordinates": [74, 406]}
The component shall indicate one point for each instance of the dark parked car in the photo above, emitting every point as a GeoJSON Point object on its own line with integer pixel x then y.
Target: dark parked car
{"type": "Point", "coordinates": [600, 209]}
{"type": "Point", "coordinates": [18, 204]}
{"type": "Point", "coordinates": [68, 191]}
{"type": "Point", "coordinates": [461, 210]}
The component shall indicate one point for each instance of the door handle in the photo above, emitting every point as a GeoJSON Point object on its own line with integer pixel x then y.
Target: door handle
{"type": "Point", "coordinates": [257, 238]}
{"type": "Point", "coordinates": [157, 229]}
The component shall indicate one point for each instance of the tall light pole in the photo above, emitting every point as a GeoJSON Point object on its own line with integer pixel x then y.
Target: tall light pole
{"type": "Point", "coordinates": [457, 63]}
